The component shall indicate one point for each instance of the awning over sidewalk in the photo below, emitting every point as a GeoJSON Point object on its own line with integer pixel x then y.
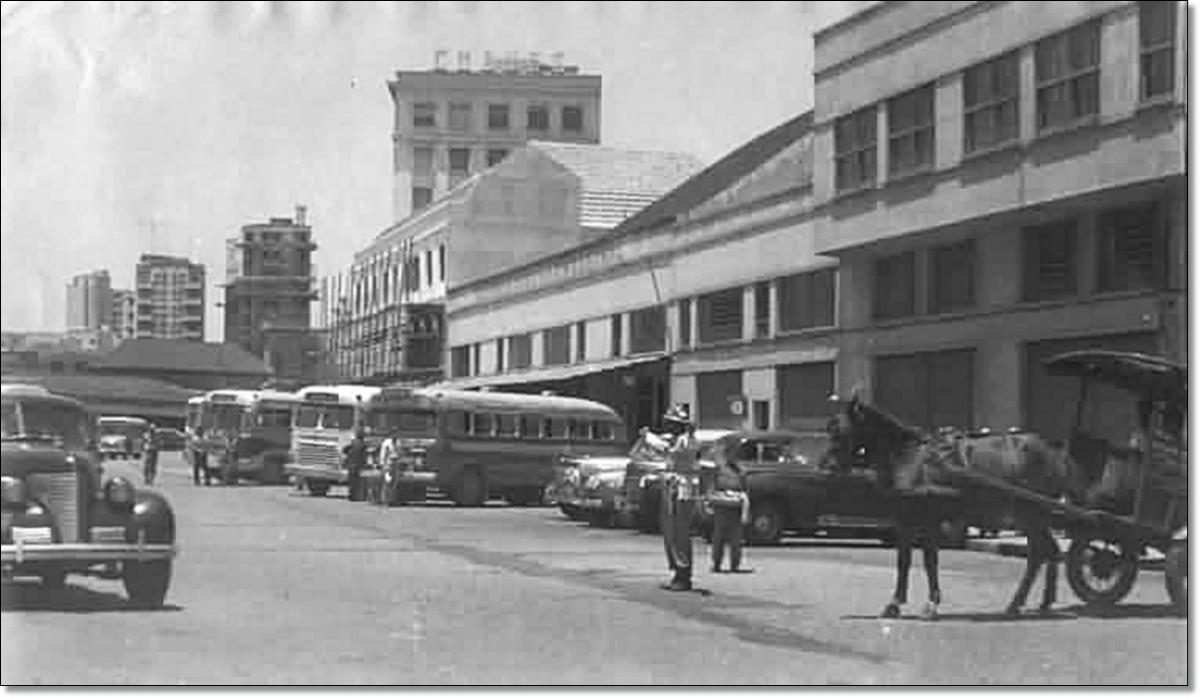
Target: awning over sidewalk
{"type": "Point", "coordinates": [549, 374]}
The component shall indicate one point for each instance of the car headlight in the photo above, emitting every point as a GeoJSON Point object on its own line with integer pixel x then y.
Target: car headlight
{"type": "Point", "coordinates": [12, 491]}
{"type": "Point", "coordinates": [119, 492]}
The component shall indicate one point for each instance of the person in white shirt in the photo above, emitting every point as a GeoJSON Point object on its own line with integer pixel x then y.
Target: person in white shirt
{"type": "Point", "coordinates": [679, 498]}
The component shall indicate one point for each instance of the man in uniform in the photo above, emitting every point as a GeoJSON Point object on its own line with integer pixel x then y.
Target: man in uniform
{"type": "Point", "coordinates": [678, 497]}
{"type": "Point", "coordinates": [356, 460]}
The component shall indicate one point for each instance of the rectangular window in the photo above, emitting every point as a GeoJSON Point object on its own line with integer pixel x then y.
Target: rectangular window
{"type": "Point", "coordinates": [425, 115]}
{"type": "Point", "coordinates": [476, 364]}
{"type": "Point", "coordinates": [520, 351]}
{"type": "Point", "coordinates": [556, 346]}
{"type": "Point", "coordinates": [685, 323]}
{"type": "Point", "coordinates": [929, 390]}
{"type": "Point", "coordinates": [498, 117]}
{"type": "Point", "coordinates": [460, 161]}
{"type": "Point", "coordinates": [911, 131]}
{"type": "Point", "coordinates": [554, 428]}
{"type": "Point", "coordinates": [854, 139]}
{"type": "Point", "coordinates": [806, 300]}
{"type": "Point", "coordinates": [762, 415]}
{"type": "Point", "coordinates": [581, 341]}
{"type": "Point", "coordinates": [537, 118]}
{"type": "Point", "coordinates": [482, 424]}
{"type": "Point", "coordinates": [804, 391]}
{"type": "Point", "coordinates": [618, 338]}
{"type": "Point", "coordinates": [991, 103]}
{"type": "Point", "coordinates": [422, 197]}
{"type": "Point", "coordinates": [572, 119]}
{"type": "Point", "coordinates": [428, 267]}
{"type": "Point", "coordinates": [1050, 259]}
{"type": "Point", "coordinates": [952, 277]}
{"type": "Point", "coordinates": [500, 355]}
{"type": "Point", "coordinates": [442, 262]}
{"type": "Point", "coordinates": [506, 425]}
{"type": "Point", "coordinates": [495, 156]}
{"type": "Point", "coordinates": [895, 286]}
{"type": "Point", "coordinates": [1132, 249]}
{"type": "Point", "coordinates": [721, 316]}
{"type": "Point", "coordinates": [648, 330]}
{"type": "Point", "coordinates": [603, 431]}
{"type": "Point", "coordinates": [1157, 42]}
{"type": "Point", "coordinates": [1068, 76]}
{"type": "Point", "coordinates": [527, 426]}
{"type": "Point", "coordinates": [460, 117]}
{"type": "Point", "coordinates": [762, 309]}
{"type": "Point", "coordinates": [423, 161]}
{"type": "Point", "coordinates": [459, 366]}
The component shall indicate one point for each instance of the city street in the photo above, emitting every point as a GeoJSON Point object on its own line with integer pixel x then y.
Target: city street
{"type": "Point", "coordinates": [275, 587]}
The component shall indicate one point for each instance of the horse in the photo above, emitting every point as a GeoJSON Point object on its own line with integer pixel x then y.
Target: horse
{"type": "Point", "coordinates": [916, 470]}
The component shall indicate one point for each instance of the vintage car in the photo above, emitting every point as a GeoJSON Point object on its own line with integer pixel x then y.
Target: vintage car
{"type": "Point", "coordinates": [122, 437]}
{"type": "Point", "coordinates": [795, 488]}
{"type": "Point", "coordinates": [58, 516]}
{"type": "Point", "coordinates": [600, 492]}
{"type": "Point", "coordinates": [642, 481]}
{"type": "Point", "coordinates": [571, 472]}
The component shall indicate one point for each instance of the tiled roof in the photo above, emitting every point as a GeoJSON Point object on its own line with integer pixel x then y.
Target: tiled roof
{"type": "Point", "coordinates": [184, 356]}
{"type": "Point", "coordinates": [617, 183]}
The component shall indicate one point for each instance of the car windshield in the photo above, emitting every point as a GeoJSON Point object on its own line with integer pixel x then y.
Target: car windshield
{"type": "Point", "coordinates": [48, 420]}
{"type": "Point", "coordinates": [407, 421]}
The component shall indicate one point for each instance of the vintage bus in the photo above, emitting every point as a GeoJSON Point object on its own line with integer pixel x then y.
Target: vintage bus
{"type": "Point", "coordinates": [121, 437]}
{"type": "Point", "coordinates": [325, 419]}
{"type": "Point", "coordinates": [475, 446]}
{"type": "Point", "coordinates": [259, 422]}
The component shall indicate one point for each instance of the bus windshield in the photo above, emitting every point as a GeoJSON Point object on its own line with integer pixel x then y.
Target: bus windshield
{"type": "Point", "coordinates": [325, 416]}
{"type": "Point", "coordinates": [227, 416]}
{"type": "Point", "coordinates": [274, 416]}
{"type": "Point", "coordinates": [406, 421]}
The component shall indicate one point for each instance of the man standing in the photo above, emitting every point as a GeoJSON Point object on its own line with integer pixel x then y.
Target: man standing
{"type": "Point", "coordinates": [678, 497]}
{"type": "Point", "coordinates": [356, 460]}
{"type": "Point", "coordinates": [150, 454]}
{"type": "Point", "coordinates": [731, 512]}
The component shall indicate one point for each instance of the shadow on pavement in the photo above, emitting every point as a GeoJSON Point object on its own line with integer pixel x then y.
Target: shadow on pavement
{"type": "Point", "coordinates": [27, 598]}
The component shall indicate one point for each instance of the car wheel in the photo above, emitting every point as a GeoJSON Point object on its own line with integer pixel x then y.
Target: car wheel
{"type": "Point", "coordinates": [54, 579]}
{"type": "Point", "coordinates": [146, 583]}
{"type": "Point", "coordinates": [471, 490]}
{"type": "Point", "coordinates": [766, 523]}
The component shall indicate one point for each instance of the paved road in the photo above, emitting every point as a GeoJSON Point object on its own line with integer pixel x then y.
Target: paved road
{"type": "Point", "coordinates": [274, 587]}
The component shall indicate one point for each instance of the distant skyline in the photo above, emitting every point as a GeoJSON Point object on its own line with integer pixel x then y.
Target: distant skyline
{"type": "Point", "coordinates": [165, 127]}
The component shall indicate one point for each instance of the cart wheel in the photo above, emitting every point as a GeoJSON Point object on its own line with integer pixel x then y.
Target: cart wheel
{"type": "Point", "coordinates": [1101, 572]}
{"type": "Point", "coordinates": [1176, 576]}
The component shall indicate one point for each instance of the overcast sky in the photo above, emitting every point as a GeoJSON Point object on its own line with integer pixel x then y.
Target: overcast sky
{"type": "Point", "coordinates": [164, 127]}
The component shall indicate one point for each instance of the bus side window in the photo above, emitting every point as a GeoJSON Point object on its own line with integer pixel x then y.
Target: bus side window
{"type": "Point", "coordinates": [459, 423]}
{"type": "Point", "coordinates": [528, 426]}
{"type": "Point", "coordinates": [547, 428]}
{"type": "Point", "coordinates": [506, 425]}
{"type": "Point", "coordinates": [602, 431]}
{"type": "Point", "coordinates": [483, 424]}
{"type": "Point", "coordinates": [582, 430]}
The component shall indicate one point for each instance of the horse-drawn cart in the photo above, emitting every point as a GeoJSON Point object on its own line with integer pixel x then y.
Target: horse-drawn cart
{"type": "Point", "coordinates": [1138, 498]}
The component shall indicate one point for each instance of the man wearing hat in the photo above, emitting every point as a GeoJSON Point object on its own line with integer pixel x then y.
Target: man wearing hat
{"type": "Point", "coordinates": [678, 496]}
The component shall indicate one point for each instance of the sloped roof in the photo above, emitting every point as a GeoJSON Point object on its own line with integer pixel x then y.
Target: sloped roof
{"type": "Point", "coordinates": [184, 356]}
{"type": "Point", "coordinates": [92, 388]}
{"type": "Point", "coordinates": [721, 174]}
{"type": "Point", "coordinates": [617, 183]}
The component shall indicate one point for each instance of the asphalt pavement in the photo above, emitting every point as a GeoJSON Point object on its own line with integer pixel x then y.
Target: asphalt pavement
{"type": "Point", "coordinates": [276, 587]}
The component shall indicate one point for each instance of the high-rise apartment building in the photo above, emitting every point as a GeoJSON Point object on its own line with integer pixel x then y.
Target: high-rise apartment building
{"type": "Point", "coordinates": [269, 293]}
{"type": "Point", "coordinates": [90, 301]}
{"type": "Point", "coordinates": [124, 314]}
{"type": "Point", "coordinates": [451, 124]}
{"type": "Point", "coordinates": [170, 298]}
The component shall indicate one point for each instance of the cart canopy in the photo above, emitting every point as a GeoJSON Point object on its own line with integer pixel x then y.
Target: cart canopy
{"type": "Point", "coordinates": [1148, 376]}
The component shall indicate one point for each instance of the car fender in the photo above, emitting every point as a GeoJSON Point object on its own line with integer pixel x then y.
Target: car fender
{"type": "Point", "coordinates": [1181, 534]}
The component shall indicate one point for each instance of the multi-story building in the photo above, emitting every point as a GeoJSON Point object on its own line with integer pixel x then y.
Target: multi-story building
{"type": "Point", "coordinates": [124, 314]}
{"type": "Point", "coordinates": [449, 125]}
{"type": "Point", "coordinates": [712, 296]}
{"type": "Point", "coordinates": [269, 293]}
{"type": "Point", "coordinates": [90, 301]}
{"type": "Point", "coordinates": [170, 298]}
{"type": "Point", "coordinates": [1001, 181]}
{"type": "Point", "coordinates": [545, 197]}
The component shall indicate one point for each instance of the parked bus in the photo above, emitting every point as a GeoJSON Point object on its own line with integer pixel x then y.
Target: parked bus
{"type": "Point", "coordinates": [325, 419]}
{"type": "Point", "coordinates": [122, 437]}
{"type": "Point", "coordinates": [474, 446]}
{"type": "Point", "coordinates": [259, 423]}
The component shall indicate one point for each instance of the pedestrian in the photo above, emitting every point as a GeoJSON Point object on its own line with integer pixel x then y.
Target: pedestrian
{"type": "Point", "coordinates": [356, 460]}
{"type": "Point", "coordinates": [150, 457]}
{"type": "Point", "coordinates": [229, 460]}
{"type": "Point", "coordinates": [389, 465]}
{"type": "Point", "coordinates": [730, 502]}
{"type": "Point", "coordinates": [678, 497]}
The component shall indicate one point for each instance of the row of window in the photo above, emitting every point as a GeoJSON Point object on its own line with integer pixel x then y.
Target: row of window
{"type": "Point", "coordinates": [1131, 254]}
{"type": "Point", "coordinates": [458, 159]}
{"type": "Point", "coordinates": [1067, 92]}
{"type": "Point", "coordinates": [384, 284]}
{"type": "Point", "coordinates": [524, 426]}
{"type": "Point", "coordinates": [459, 116]}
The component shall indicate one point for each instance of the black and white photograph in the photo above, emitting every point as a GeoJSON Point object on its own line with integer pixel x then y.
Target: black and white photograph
{"type": "Point", "coordinates": [595, 344]}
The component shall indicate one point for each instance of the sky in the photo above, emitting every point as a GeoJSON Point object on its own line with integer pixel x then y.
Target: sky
{"type": "Point", "coordinates": [166, 126]}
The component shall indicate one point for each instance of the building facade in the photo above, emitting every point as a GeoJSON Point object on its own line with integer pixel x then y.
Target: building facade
{"type": "Point", "coordinates": [124, 314]}
{"type": "Point", "coordinates": [1001, 182]}
{"type": "Point", "coordinates": [451, 124]}
{"type": "Point", "coordinates": [388, 322]}
{"type": "Point", "coordinates": [170, 298]}
{"type": "Point", "coordinates": [90, 301]}
{"type": "Point", "coordinates": [712, 296]}
{"type": "Point", "coordinates": [269, 292]}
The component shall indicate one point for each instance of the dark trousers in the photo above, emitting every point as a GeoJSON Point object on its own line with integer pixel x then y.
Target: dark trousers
{"type": "Point", "coordinates": [354, 484]}
{"type": "Point", "coordinates": [677, 535]}
{"type": "Point", "coordinates": [727, 531]}
{"type": "Point", "coordinates": [200, 467]}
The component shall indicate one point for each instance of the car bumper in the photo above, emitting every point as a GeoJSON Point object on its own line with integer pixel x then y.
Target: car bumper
{"type": "Point", "coordinates": [316, 472]}
{"type": "Point", "coordinates": [416, 477]}
{"type": "Point", "coordinates": [24, 553]}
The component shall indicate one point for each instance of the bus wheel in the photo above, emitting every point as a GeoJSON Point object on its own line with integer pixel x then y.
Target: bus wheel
{"type": "Point", "coordinates": [317, 488]}
{"type": "Point", "coordinates": [471, 490]}
{"type": "Point", "coordinates": [530, 496]}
